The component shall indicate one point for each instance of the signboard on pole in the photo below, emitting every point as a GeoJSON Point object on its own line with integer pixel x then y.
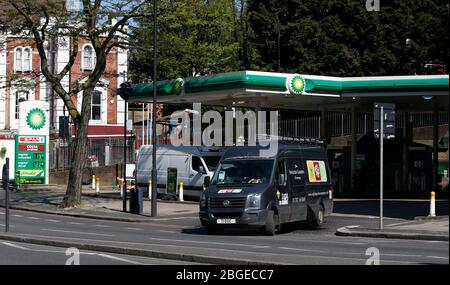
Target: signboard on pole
{"type": "Point", "coordinates": [32, 153]}
{"type": "Point", "coordinates": [172, 181]}
{"type": "Point", "coordinates": [388, 120]}
{"type": "Point", "coordinates": [31, 163]}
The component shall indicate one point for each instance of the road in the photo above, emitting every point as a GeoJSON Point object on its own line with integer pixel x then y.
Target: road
{"type": "Point", "coordinates": [14, 253]}
{"type": "Point", "coordinates": [295, 245]}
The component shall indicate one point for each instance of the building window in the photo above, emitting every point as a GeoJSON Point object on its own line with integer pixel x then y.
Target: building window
{"type": "Point", "coordinates": [96, 105]}
{"type": "Point", "coordinates": [20, 97]}
{"type": "Point", "coordinates": [89, 58]}
{"type": "Point", "coordinates": [22, 59]}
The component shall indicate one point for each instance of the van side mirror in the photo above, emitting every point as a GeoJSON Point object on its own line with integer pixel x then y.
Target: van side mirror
{"type": "Point", "coordinates": [201, 169]}
{"type": "Point", "coordinates": [281, 180]}
{"type": "Point", "coordinates": [207, 181]}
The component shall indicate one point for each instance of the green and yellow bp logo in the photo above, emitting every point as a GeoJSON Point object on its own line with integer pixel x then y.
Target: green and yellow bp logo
{"type": "Point", "coordinates": [36, 119]}
{"type": "Point", "coordinates": [295, 84]}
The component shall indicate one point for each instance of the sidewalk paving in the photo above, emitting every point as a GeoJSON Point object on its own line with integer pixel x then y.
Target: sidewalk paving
{"type": "Point", "coordinates": [107, 205]}
{"type": "Point", "coordinates": [436, 228]}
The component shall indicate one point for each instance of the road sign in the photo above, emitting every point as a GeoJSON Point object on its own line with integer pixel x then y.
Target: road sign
{"type": "Point", "coordinates": [383, 127]}
{"type": "Point", "coordinates": [31, 162]}
{"type": "Point", "coordinates": [388, 120]}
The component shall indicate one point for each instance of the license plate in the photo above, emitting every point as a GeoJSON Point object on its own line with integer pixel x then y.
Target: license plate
{"type": "Point", "coordinates": [226, 221]}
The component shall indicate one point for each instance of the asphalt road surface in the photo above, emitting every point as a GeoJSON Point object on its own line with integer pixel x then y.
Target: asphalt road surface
{"type": "Point", "coordinates": [14, 253]}
{"type": "Point", "coordinates": [297, 244]}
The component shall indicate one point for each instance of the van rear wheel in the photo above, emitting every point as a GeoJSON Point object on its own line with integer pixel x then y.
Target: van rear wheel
{"type": "Point", "coordinates": [319, 218]}
{"type": "Point", "coordinates": [272, 223]}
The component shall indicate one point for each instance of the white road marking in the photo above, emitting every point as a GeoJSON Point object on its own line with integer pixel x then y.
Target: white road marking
{"type": "Point", "coordinates": [118, 258]}
{"type": "Point", "coordinates": [170, 232]}
{"type": "Point", "coordinates": [401, 255]}
{"type": "Point", "coordinates": [14, 245]}
{"type": "Point", "coordinates": [11, 226]}
{"type": "Point", "coordinates": [53, 221]}
{"type": "Point", "coordinates": [73, 223]}
{"type": "Point", "coordinates": [134, 229]}
{"type": "Point", "coordinates": [437, 257]}
{"type": "Point", "coordinates": [73, 232]}
{"type": "Point", "coordinates": [301, 249]}
{"type": "Point", "coordinates": [102, 226]}
{"type": "Point", "coordinates": [34, 218]}
{"type": "Point", "coordinates": [402, 223]}
{"type": "Point", "coordinates": [18, 216]}
{"type": "Point", "coordinates": [206, 242]}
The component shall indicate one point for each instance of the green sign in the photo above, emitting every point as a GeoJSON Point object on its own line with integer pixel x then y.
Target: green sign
{"type": "Point", "coordinates": [30, 164]}
{"type": "Point", "coordinates": [172, 180]}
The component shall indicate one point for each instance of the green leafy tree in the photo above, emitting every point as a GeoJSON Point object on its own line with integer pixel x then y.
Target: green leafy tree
{"type": "Point", "coordinates": [195, 37]}
{"type": "Point", "coordinates": [49, 20]}
{"type": "Point", "coordinates": [342, 38]}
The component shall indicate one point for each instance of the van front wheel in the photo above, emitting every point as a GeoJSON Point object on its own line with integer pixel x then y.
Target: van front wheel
{"type": "Point", "coordinates": [272, 223]}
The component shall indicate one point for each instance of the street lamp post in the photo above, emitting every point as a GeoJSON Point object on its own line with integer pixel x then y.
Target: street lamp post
{"type": "Point", "coordinates": [154, 180]}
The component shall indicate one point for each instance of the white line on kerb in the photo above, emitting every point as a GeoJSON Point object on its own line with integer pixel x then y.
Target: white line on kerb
{"type": "Point", "coordinates": [73, 232]}
{"type": "Point", "coordinates": [14, 245]}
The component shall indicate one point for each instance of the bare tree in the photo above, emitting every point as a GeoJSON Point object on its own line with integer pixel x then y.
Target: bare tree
{"type": "Point", "coordinates": [103, 23]}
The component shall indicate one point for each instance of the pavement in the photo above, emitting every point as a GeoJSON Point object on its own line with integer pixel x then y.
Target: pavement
{"type": "Point", "coordinates": [107, 205]}
{"type": "Point", "coordinates": [421, 229]}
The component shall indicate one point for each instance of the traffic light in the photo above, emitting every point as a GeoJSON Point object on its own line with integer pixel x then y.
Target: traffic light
{"type": "Point", "coordinates": [125, 90]}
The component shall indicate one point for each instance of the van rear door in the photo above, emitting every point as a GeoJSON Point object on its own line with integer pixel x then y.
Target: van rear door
{"type": "Point", "coordinates": [296, 180]}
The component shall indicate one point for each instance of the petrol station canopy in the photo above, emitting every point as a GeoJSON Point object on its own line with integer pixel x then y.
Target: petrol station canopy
{"type": "Point", "coordinates": [297, 91]}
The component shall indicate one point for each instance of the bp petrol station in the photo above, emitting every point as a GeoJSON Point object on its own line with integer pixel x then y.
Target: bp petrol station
{"type": "Point", "coordinates": [322, 94]}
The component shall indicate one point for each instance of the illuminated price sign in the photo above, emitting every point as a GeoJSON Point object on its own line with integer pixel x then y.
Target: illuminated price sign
{"type": "Point", "coordinates": [31, 159]}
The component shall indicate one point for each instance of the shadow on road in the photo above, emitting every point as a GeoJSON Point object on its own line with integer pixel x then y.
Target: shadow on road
{"type": "Point", "coordinates": [393, 209]}
{"type": "Point", "coordinates": [285, 229]}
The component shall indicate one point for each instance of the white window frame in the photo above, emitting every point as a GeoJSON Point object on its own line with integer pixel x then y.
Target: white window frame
{"type": "Point", "coordinates": [20, 66]}
{"type": "Point", "coordinates": [16, 110]}
{"type": "Point", "coordinates": [103, 109]}
{"type": "Point", "coordinates": [98, 105]}
{"type": "Point", "coordinates": [23, 84]}
{"type": "Point", "coordinates": [93, 59]}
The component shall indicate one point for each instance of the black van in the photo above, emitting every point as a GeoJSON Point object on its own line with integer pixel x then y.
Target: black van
{"type": "Point", "coordinates": [248, 190]}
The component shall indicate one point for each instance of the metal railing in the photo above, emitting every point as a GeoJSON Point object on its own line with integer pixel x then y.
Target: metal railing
{"type": "Point", "coordinates": [107, 151]}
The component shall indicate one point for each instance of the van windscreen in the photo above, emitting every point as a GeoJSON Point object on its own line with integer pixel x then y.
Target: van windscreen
{"type": "Point", "coordinates": [212, 161]}
{"type": "Point", "coordinates": [241, 172]}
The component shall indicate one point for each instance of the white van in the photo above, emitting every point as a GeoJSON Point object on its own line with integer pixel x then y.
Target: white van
{"type": "Point", "coordinates": [193, 163]}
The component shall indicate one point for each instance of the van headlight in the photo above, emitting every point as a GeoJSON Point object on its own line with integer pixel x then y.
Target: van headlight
{"type": "Point", "coordinates": [203, 201]}
{"type": "Point", "coordinates": [253, 201]}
